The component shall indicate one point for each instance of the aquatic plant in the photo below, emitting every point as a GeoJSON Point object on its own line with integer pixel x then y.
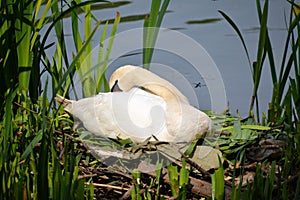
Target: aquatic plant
{"type": "Point", "coordinates": [42, 157]}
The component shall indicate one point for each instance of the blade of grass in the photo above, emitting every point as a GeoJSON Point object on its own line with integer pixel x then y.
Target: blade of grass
{"type": "Point", "coordinates": [183, 180]}
{"type": "Point", "coordinates": [234, 26]}
{"type": "Point", "coordinates": [173, 177]}
{"type": "Point", "coordinates": [23, 34]}
{"type": "Point", "coordinates": [151, 29]}
{"type": "Point", "coordinates": [258, 65]}
{"type": "Point", "coordinates": [297, 192]}
{"type": "Point", "coordinates": [56, 20]}
{"type": "Point", "coordinates": [41, 20]}
{"type": "Point", "coordinates": [148, 32]}
{"type": "Point", "coordinates": [272, 178]}
{"type": "Point", "coordinates": [135, 192]}
{"type": "Point", "coordinates": [107, 54]}
{"type": "Point", "coordinates": [32, 144]}
{"type": "Point", "coordinates": [159, 166]}
{"type": "Point", "coordinates": [42, 187]}
{"type": "Point", "coordinates": [75, 29]}
{"type": "Point", "coordinates": [75, 59]}
{"type": "Point", "coordinates": [99, 75]}
{"type": "Point", "coordinates": [218, 183]}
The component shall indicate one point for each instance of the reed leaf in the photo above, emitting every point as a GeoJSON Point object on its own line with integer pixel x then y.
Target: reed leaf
{"type": "Point", "coordinates": [135, 192]}
{"type": "Point", "coordinates": [272, 178]}
{"type": "Point", "coordinates": [159, 166]}
{"type": "Point", "coordinates": [183, 180]}
{"type": "Point", "coordinates": [151, 29]}
{"type": "Point", "coordinates": [174, 179]}
{"type": "Point", "coordinates": [42, 187]}
{"type": "Point", "coordinates": [56, 20]}
{"type": "Point", "coordinates": [107, 54]}
{"type": "Point", "coordinates": [76, 59]}
{"type": "Point", "coordinates": [258, 65]}
{"type": "Point", "coordinates": [32, 144]}
{"type": "Point", "coordinates": [218, 183]}
{"type": "Point", "coordinates": [23, 35]}
{"type": "Point", "coordinates": [235, 27]}
{"type": "Point", "coordinates": [99, 77]}
{"type": "Point", "coordinates": [41, 20]}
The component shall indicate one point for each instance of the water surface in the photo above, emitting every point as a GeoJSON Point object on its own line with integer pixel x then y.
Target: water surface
{"type": "Point", "coordinates": [201, 21]}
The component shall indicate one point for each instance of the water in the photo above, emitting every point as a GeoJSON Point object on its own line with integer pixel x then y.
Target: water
{"type": "Point", "coordinates": [218, 39]}
{"type": "Point", "coordinates": [221, 42]}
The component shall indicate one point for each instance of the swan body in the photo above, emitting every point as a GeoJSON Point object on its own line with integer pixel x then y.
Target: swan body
{"type": "Point", "coordinates": [160, 110]}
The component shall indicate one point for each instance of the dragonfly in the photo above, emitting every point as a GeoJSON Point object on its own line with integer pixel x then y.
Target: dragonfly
{"type": "Point", "coordinates": [199, 85]}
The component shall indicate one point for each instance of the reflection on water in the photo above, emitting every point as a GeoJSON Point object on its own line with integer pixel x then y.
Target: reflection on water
{"type": "Point", "coordinates": [204, 21]}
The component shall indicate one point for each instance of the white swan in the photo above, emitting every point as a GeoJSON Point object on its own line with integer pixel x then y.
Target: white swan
{"type": "Point", "coordinates": [160, 110]}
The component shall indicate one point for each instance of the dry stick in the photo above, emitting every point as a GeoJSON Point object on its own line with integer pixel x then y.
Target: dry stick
{"type": "Point", "coordinates": [199, 187]}
{"type": "Point", "coordinates": [63, 133]}
{"type": "Point", "coordinates": [127, 194]}
{"type": "Point", "coordinates": [115, 172]}
{"type": "Point", "coordinates": [29, 110]}
{"type": "Point", "coordinates": [108, 186]}
{"type": "Point", "coordinates": [86, 176]}
{"type": "Point", "coordinates": [204, 173]}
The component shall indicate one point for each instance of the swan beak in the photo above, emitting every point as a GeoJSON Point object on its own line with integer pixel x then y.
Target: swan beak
{"type": "Point", "coordinates": [116, 88]}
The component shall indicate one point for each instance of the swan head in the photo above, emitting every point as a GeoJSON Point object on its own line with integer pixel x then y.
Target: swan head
{"type": "Point", "coordinates": [127, 77]}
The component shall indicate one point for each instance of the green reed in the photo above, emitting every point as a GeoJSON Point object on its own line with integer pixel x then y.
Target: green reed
{"type": "Point", "coordinates": [31, 164]}
{"type": "Point", "coordinates": [284, 104]}
{"type": "Point", "coordinates": [152, 24]}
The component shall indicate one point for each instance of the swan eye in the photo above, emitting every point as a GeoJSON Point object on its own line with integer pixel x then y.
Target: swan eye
{"type": "Point", "coordinates": [116, 88]}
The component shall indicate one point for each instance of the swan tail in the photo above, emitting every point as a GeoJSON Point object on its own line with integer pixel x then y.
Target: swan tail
{"type": "Point", "coordinates": [66, 103]}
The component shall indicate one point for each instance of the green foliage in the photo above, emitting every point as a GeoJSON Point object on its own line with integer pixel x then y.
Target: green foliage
{"type": "Point", "coordinates": [31, 165]}
{"type": "Point", "coordinates": [40, 160]}
{"type": "Point", "coordinates": [135, 192]}
{"type": "Point", "coordinates": [151, 29]}
{"type": "Point", "coordinates": [178, 180]}
{"type": "Point", "coordinates": [218, 183]}
{"type": "Point", "coordinates": [283, 108]}
{"type": "Point", "coordinates": [262, 188]}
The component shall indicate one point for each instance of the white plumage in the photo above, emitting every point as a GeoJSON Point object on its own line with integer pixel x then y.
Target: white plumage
{"type": "Point", "coordinates": [160, 110]}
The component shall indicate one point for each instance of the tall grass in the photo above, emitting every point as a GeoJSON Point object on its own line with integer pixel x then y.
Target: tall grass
{"type": "Point", "coordinates": [152, 24]}
{"type": "Point", "coordinates": [283, 107]}
{"type": "Point", "coordinates": [31, 164]}
{"type": "Point", "coordinates": [39, 158]}
{"type": "Point", "coordinates": [31, 167]}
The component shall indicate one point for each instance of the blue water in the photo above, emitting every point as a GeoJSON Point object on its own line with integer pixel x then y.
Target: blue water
{"type": "Point", "coordinates": [218, 39]}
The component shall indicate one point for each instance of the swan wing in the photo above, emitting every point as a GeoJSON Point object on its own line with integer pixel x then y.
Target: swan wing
{"type": "Point", "coordinates": [136, 114]}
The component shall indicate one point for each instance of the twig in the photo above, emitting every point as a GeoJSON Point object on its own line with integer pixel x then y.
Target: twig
{"type": "Point", "coordinates": [127, 194]}
{"type": "Point", "coordinates": [116, 172]}
{"type": "Point", "coordinates": [195, 165]}
{"type": "Point", "coordinates": [86, 176]}
{"type": "Point", "coordinates": [32, 111]}
{"type": "Point", "coordinates": [108, 186]}
{"type": "Point", "coordinates": [267, 146]}
{"type": "Point", "coordinates": [65, 134]}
